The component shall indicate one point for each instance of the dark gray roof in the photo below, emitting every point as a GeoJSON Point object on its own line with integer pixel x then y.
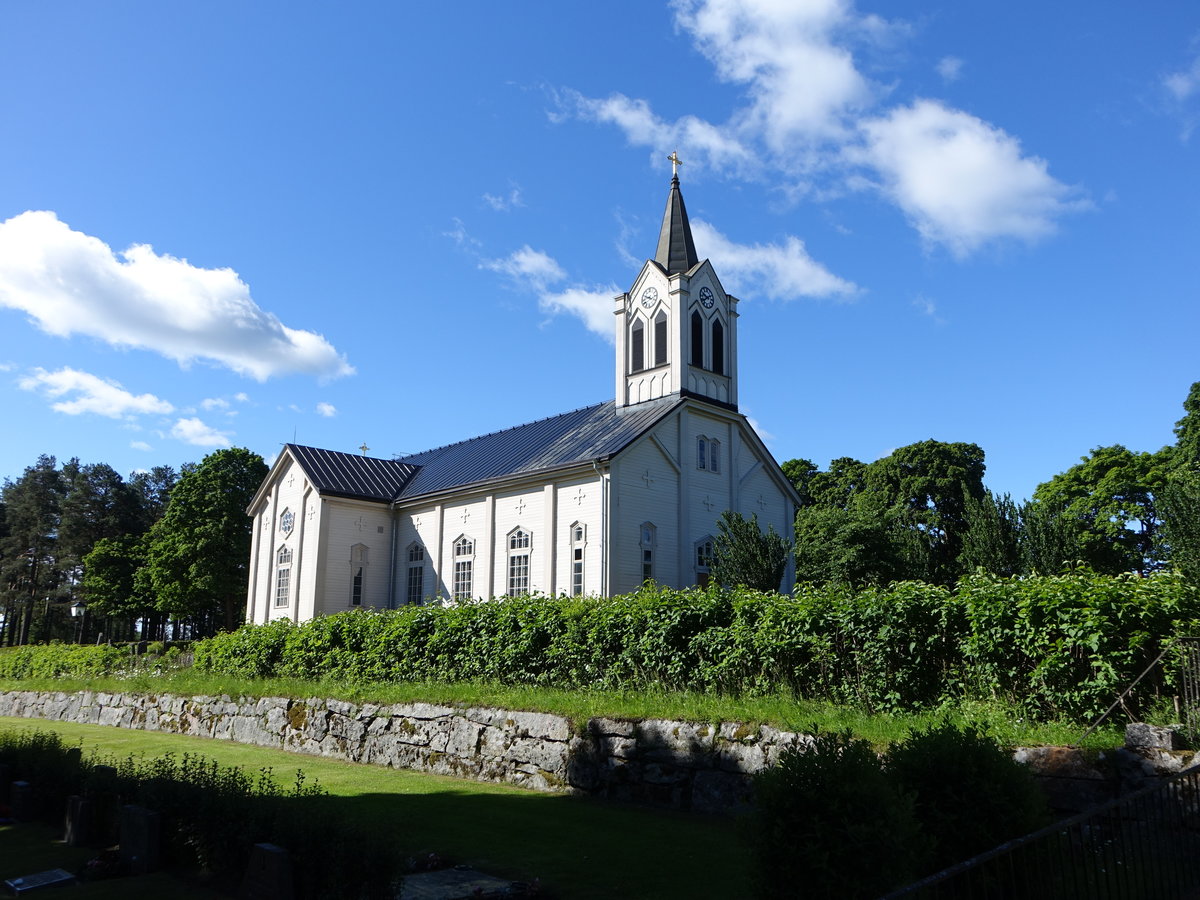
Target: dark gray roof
{"type": "Point", "coordinates": [591, 433]}
{"type": "Point", "coordinates": [676, 251]}
{"type": "Point", "coordinates": [349, 475]}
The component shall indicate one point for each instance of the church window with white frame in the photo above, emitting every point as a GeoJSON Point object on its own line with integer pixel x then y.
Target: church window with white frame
{"type": "Point", "coordinates": [708, 454]}
{"type": "Point", "coordinates": [358, 562]}
{"type": "Point", "coordinates": [578, 548]}
{"type": "Point", "coordinates": [464, 565]}
{"type": "Point", "coordinates": [704, 560]}
{"type": "Point", "coordinates": [637, 346]}
{"type": "Point", "coordinates": [519, 541]}
{"type": "Point", "coordinates": [415, 592]}
{"type": "Point", "coordinates": [646, 543]}
{"type": "Point", "coordinates": [283, 576]}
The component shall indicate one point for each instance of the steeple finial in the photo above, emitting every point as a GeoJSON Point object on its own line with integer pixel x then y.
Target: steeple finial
{"type": "Point", "coordinates": [676, 251]}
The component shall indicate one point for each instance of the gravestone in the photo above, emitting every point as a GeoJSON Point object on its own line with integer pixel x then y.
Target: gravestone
{"type": "Point", "coordinates": [20, 800]}
{"type": "Point", "coordinates": [268, 874]}
{"type": "Point", "coordinates": [79, 822]}
{"type": "Point", "coordinates": [26, 884]}
{"type": "Point", "coordinates": [139, 839]}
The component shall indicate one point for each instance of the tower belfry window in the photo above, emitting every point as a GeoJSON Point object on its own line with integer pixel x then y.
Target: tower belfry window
{"type": "Point", "coordinates": [638, 346]}
{"type": "Point", "coordinates": [697, 354]}
{"type": "Point", "coordinates": [718, 347]}
{"type": "Point", "coordinates": [660, 339]}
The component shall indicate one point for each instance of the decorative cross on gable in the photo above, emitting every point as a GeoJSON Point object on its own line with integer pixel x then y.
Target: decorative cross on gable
{"type": "Point", "coordinates": [360, 522]}
{"type": "Point", "coordinates": [312, 513]}
{"type": "Point", "coordinates": [708, 504]}
{"type": "Point", "coordinates": [762, 502]}
{"type": "Point", "coordinates": [580, 496]}
{"type": "Point", "coordinates": [417, 521]}
{"type": "Point", "coordinates": [466, 514]}
{"type": "Point", "coordinates": [648, 478]}
{"type": "Point", "coordinates": [521, 506]}
{"type": "Point", "coordinates": [291, 479]}
{"type": "Point", "coordinates": [364, 448]}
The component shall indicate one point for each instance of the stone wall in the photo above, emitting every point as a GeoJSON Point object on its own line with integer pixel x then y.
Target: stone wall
{"type": "Point", "coordinates": [676, 764]}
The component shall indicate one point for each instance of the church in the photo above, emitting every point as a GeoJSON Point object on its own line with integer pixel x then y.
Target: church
{"type": "Point", "coordinates": [595, 501]}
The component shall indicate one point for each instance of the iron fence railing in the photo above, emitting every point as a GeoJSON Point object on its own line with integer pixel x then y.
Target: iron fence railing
{"type": "Point", "coordinates": [1143, 845]}
{"type": "Point", "coordinates": [1189, 685]}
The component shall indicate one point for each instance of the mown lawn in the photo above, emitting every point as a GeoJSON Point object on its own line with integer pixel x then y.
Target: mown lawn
{"type": "Point", "coordinates": [574, 847]}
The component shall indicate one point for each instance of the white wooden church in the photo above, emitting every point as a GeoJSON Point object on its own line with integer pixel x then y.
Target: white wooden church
{"type": "Point", "coordinates": [593, 501]}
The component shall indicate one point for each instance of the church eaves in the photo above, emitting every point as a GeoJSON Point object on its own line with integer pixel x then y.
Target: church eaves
{"type": "Point", "coordinates": [676, 251]}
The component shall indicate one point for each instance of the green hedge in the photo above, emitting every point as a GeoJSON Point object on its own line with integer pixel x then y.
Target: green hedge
{"type": "Point", "coordinates": [58, 660]}
{"type": "Point", "coordinates": [1058, 646]}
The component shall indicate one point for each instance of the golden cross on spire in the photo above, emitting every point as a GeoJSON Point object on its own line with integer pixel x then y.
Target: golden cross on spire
{"type": "Point", "coordinates": [364, 448]}
{"type": "Point", "coordinates": [676, 162]}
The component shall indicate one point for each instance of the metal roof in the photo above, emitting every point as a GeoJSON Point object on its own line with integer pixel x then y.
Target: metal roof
{"type": "Point", "coordinates": [676, 250]}
{"type": "Point", "coordinates": [583, 435]}
{"type": "Point", "coordinates": [349, 475]}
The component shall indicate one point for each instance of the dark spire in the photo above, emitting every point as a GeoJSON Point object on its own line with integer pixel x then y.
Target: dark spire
{"type": "Point", "coordinates": [676, 251]}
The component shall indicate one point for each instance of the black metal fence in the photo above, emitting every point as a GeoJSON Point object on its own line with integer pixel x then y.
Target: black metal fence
{"type": "Point", "coordinates": [1189, 685]}
{"type": "Point", "coordinates": [1143, 845]}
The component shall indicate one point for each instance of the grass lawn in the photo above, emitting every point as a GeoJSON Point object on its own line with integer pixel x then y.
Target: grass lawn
{"type": "Point", "coordinates": [575, 847]}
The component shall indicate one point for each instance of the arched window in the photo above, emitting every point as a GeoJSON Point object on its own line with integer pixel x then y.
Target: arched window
{"type": "Point", "coordinates": [638, 346]}
{"type": "Point", "coordinates": [464, 564]}
{"type": "Point", "coordinates": [283, 575]}
{"type": "Point", "coordinates": [519, 543]}
{"type": "Point", "coordinates": [697, 354]}
{"type": "Point", "coordinates": [647, 541]}
{"type": "Point", "coordinates": [704, 560]}
{"type": "Point", "coordinates": [358, 561]}
{"type": "Point", "coordinates": [660, 339]}
{"type": "Point", "coordinates": [718, 347]}
{"type": "Point", "coordinates": [416, 574]}
{"type": "Point", "coordinates": [578, 545]}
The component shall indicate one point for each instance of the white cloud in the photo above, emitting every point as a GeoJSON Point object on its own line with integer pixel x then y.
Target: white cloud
{"type": "Point", "coordinates": [70, 283]}
{"type": "Point", "coordinates": [328, 410]}
{"type": "Point", "coordinates": [534, 266]}
{"type": "Point", "coordinates": [594, 307]}
{"type": "Point", "coordinates": [140, 445]}
{"type": "Point", "coordinates": [809, 112]}
{"type": "Point", "coordinates": [241, 397]}
{"type": "Point", "coordinates": [214, 403]}
{"type": "Point", "coordinates": [961, 182]}
{"type": "Point", "coordinates": [91, 394]}
{"type": "Point", "coordinates": [780, 271]}
{"type": "Point", "coordinates": [505, 202]}
{"type": "Point", "coordinates": [194, 431]}
{"type": "Point", "coordinates": [540, 272]}
{"type": "Point", "coordinates": [1184, 84]}
{"type": "Point", "coordinates": [950, 68]}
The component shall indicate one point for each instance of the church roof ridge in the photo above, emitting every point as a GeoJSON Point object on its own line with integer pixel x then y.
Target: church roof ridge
{"type": "Point", "coordinates": [489, 434]}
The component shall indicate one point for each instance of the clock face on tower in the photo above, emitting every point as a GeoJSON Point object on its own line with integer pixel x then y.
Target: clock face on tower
{"type": "Point", "coordinates": [707, 298]}
{"type": "Point", "coordinates": [649, 297]}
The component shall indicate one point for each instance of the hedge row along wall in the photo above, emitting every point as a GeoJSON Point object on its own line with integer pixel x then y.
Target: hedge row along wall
{"type": "Point", "coordinates": [1061, 645]}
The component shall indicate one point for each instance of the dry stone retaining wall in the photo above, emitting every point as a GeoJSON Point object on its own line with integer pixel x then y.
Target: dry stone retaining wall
{"type": "Point", "coordinates": [677, 764]}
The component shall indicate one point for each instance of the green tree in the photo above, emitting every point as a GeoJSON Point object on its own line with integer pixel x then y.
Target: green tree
{"type": "Point", "coordinates": [1180, 506]}
{"type": "Point", "coordinates": [744, 555]}
{"type": "Point", "coordinates": [198, 553]}
{"type": "Point", "coordinates": [1187, 431]}
{"type": "Point", "coordinates": [992, 538]}
{"type": "Point", "coordinates": [110, 581]}
{"type": "Point", "coordinates": [1112, 496]}
{"type": "Point", "coordinates": [30, 574]}
{"type": "Point", "coordinates": [1049, 538]}
{"type": "Point", "coordinates": [856, 545]}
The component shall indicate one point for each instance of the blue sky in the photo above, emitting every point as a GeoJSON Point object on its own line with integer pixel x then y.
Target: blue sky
{"type": "Point", "coordinates": [402, 224]}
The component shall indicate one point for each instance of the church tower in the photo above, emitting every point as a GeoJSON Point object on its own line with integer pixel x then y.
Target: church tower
{"type": "Point", "coordinates": [676, 327]}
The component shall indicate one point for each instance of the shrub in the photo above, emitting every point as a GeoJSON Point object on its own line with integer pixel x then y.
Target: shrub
{"type": "Point", "coordinates": [829, 823]}
{"type": "Point", "coordinates": [969, 793]}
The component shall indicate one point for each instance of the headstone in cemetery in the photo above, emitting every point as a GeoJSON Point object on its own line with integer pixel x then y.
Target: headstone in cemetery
{"type": "Point", "coordinates": [27, 884]}
{"type": "Point", "coordinates": [268, 875]}
{"type": "Point", "coordinates": [20, 800]}
{"type": "Point", "coordinates": [79, 821]}
{"type": "Point", "coordinates": [139, 839]}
